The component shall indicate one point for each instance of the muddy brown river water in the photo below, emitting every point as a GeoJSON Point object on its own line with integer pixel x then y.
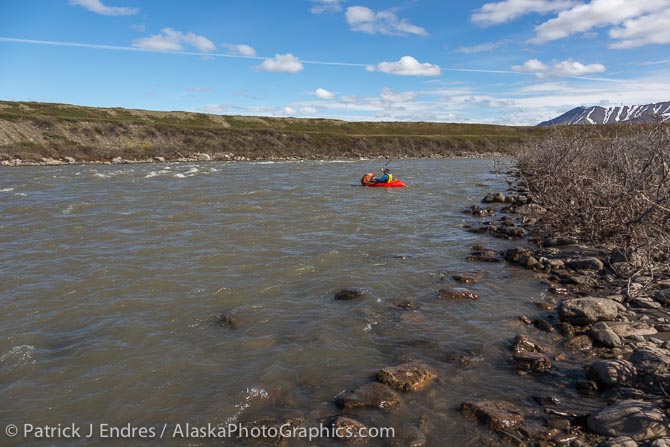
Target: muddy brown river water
{"type": "Point", "coordinates": [112, 278]}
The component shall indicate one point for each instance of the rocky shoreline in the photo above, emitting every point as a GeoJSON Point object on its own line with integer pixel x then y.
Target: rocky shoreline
{"type": "Point", "coordinates": [603, 312]}
{"type": "Point", "coordinates": [602, 332]}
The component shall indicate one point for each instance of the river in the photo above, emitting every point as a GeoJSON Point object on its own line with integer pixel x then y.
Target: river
{"type": "Point", "coordinates": [114, 279]}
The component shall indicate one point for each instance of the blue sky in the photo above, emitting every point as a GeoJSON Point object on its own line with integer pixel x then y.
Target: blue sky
{"type": "Point", "coordinates": [511, 62]}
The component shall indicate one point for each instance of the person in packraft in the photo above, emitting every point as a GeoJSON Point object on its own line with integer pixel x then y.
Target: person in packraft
{"type": "Point", "coordinates": [387, 177]}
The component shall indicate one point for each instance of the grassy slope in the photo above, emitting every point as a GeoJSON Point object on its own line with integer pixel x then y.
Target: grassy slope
{"type": "Point", "coordinates": [31, 130]}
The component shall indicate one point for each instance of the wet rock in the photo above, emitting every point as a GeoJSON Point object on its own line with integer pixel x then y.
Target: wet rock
{"type": "Point", "coordinates": [621, 441]}
{"type": "Point", "coordinates": [612, 372]}
{"type": "Point", "coordinates": [412, 376]}
{"type": "Point", "coordinates": [271, 426]}
{"type": "Point", "coordinates": [410, 437]}
{"type": "Point", "coordinates": [467, 278]}
{"type": "Point", "coordinates": [538, 434]}
{"type": "Point", "coordinates": [373, 395]}
{"type": "Point", "coordinates": [533, 362]}
{"type": "Point", "coordinates": [655, 361]}
{"type": "Point", "coordinates": [636, 419]}
{"type": "Point", "coordinates": [631, 329]}
{"type": "Point", "coordinates": [350, 294]}
{"type": "Point", "coordinates": [159, 159]}
{"type": "Point", "coordinates": [546, 400]}
{"type": "Point", "coordinates": [579, 343]}
{"type": "Point", "coordinates": [204, 157]}
{"type": "Point", "coordinates": [497, 414]}
{"type": "Point", "coordinates": [566, 329]}
{"type": "Point", "coordinates": [524, 319]}
{"type": "Point", "coordinates": [514, 254]}
{"type": "Point", "coordinates": [483, 212]}
{"type": "Point", "coordinates": [226, 320]}
{"type": "Point", "coordinates": [587, 387]}
{"type": "Point", "coordinates": [350, 430]}
{"type": "Point", "coordinates": [406, 304]}
{"type": "Point", "coordinates": [69, 160]}
{"type": "Point", "coordinates": [604, 335]}
{"type": "Point", "coordinates": [457, 294]}
{"type": "Point", "coordinates": [494, 198]}
{"type": "Point", "coordinates": [661, 442]}
{"type": "Point", "coordinates": [662, 327]}
{"type": "Point", "coordinates": [117, 160]}
{"type": "Point", "coordinates": [543, 325]}
{"type": "Point", "coordinates": [543, 305]}
{"type": "Point", "coordinates": [523, 343]}
{"type": "Point", "coordinates": [462, 359]}
{"type": "Point", "coordinates": [582, 311]}
{"type": "Point", "coordinates": [585, 264]}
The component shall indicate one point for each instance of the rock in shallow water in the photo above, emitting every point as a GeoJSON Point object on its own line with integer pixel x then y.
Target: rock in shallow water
{"type": "Point", "coordinates": [497, 414]}
{"type": "Point", "coordinates": [534, 362]}
{"type": "Point", "coordinates": [457, 294]}
{"type": "Point", "coordinates": [374, 395]}
{"type": "Point", "coordinates": [349, 294]}
{"type": "Point", "coordinates": [350, 430]}
{"type": "Point", "coordinates": [413, 376]}
{"type": "Point", "coordinates": [523, 343]}
{"type": "Point", "coordinates": [636, 419]}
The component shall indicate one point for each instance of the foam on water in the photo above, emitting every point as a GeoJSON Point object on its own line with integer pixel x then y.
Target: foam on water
{"type": "Point", "coordinates": [18, 356]}
{"type": "Point", "coordinates": [7, 190]}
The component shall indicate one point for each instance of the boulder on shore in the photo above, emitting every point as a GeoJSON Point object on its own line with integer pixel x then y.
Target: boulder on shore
{"type": "Point", "coordinates": [636, 419]}
{"type": "Point", "coordinates": [583, 311]}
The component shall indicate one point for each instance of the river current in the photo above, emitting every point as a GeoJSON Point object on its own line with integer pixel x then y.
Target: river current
{"type": "Point", "coordinates": [114, 280]}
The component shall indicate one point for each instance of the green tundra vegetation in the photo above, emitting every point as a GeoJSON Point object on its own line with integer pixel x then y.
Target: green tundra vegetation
{"type": "Point", "coordinates": [32, 131]}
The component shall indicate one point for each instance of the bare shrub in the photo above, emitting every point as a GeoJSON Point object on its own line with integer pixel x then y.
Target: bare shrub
{"type": "Point", "coordinates": [609, 186]}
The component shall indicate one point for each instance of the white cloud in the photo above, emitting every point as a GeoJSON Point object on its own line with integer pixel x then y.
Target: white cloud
{"type": "Point", "coordinates": [308, 110]}
{"type": "Point", "coordinates": [649, 29]}
{"type": "Point", "coordinates": [139, 27]}
{"type": "Point", "coordinates": [323, 93]}
{"type": "Point", "coordinates": [239, 50]}
{"type": "Point", "coordinates": [288, 110]}
{"type": "Point", "coordinates": [171, 40]}
{"type": "Point", "coordinates": [97, 7]}
{"type": "Point", "coordinates": [504, 11]}
{"type": "Point", "coordinates": [284, 63]}
{"type": "Point", "coordinates": [489, 46]}
{"type": "Point", "coordinates": [585, 17]}
{"type": "Point", "coordinates": [365, 20]}
{"type": "Point", "coordinates": [218, 109]}
{"type": "Point", "coordinates": [407, 66]}
{"type": "Point", "coordinates": [558, 69]}
{"type": "Point", "coordinates": [321, 6]}
{"type": "Point", "coordinates": [391, 96]}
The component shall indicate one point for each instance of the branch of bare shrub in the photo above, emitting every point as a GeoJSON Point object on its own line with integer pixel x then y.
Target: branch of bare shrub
{"type": "Point", "coordinates": [607, 186]}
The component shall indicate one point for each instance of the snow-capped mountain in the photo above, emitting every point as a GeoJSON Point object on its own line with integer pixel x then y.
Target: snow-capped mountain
{"type": "Point", "coordinates": [649, 113]}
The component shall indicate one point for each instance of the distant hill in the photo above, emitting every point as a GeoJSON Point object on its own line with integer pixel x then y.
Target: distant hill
{"type": "Point", "coordinates": [35, 132]}
{"type": "Point", "coordinates": [648, 113]}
